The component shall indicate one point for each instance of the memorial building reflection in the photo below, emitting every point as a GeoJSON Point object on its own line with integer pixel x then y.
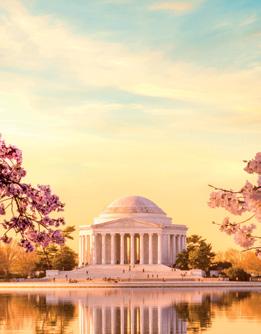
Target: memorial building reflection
{"type": "Point", "coordinates": [134, 312]}
{"type": "Point", "coordinates": [118, 311]}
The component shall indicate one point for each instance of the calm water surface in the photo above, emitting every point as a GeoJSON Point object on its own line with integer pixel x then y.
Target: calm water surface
{"type": "Point", "coordinates": [101, 311]}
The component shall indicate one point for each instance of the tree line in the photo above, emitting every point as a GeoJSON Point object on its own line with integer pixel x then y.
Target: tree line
{"type": "Point", "coordinates": [15, 262]}
{"type": "Point", "coordinates": [234, 264]}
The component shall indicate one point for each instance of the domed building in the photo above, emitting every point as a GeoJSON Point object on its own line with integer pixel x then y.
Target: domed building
{"type": "Point", "coordinates": [131, 230]}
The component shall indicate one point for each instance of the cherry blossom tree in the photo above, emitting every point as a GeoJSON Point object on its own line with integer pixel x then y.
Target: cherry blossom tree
{"type": "Point", "coordinates": [26, 211]}
{"type": "Point", "coordinates": [246, 200]}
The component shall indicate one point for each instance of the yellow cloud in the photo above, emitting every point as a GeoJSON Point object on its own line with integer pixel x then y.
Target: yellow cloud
{"type": "Point", "coordinates": [40, 42]}
{"type": "Point", "coordinates": [173, 6]}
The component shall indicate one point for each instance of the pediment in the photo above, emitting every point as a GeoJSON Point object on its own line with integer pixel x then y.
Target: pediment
{"type": "Point", "coordinates": [126, 222]}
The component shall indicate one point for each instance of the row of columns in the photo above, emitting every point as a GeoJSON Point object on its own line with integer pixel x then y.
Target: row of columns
{"type": "Point", "coordinates": [88, 247]}
{"type": "Point", "coordinates": [129, 320]}
{"type": "Point", "coordinates": [122, 248]}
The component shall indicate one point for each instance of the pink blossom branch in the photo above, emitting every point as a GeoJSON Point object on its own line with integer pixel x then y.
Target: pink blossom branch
{"type": "Point", "coordinates": [30, 206]}
{"type": "Point", "coordinates": [225, 190]}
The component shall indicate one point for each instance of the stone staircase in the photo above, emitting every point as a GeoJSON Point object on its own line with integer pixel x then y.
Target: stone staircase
{"type": "Point", "coordinates": [123, 272]}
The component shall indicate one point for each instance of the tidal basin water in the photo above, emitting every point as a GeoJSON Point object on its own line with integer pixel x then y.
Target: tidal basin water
{"type": "Point", "coordinates": [117, 311]}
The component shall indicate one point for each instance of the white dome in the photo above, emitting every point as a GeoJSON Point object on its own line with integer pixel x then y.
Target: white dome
{"type": "Point", "coordinates": [133, 204]}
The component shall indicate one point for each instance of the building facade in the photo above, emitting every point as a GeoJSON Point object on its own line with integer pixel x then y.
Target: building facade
{"type": "Point", "coordinates": [131, 230]}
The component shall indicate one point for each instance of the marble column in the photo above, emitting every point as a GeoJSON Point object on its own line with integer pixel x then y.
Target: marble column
{"type": "Point", "coordinates": [180, 243]}
{"type": "Point", "coordinates": [169, 248]}
{"type": "Point", "coordinates": [122, 319]}
{"type": "Point", "coordinates": [83, 249]}
{"type": "Point", "coordinates": [80, 251]}
{"type": "Point", "coordinates": [103, 249]}
{"type": "Point", "coordinates": [159, 248]}
{"type": "Point", "coordinates": [90, 249]}
{"type": "Point", "coordinates": [141, 248]}
{"type": "Point", "coordinates": [103, 320]}
{"type": "Point", "coordinates": [87, 242]}
{"type": "Point", "coordinates": [94, 249]}
{"type": "Point", "coordinates": [94, 316]}
{"type": "Point", "coordinates": [159, 321]}
{"type": "Point", "coordinates": [122, 248]}
{"type": "Point", "coordinates": [141, 319]}
{"type": "Point", "coordinates": [174, 321]}
{"type": "Point", "coordinates": [132, 319]}
{"type": "Point", "coordinates": [174, 247]}
{"type": "Point", "coordinates": [87, 249]}
{"type": "Point", "coordinates": [150, 249]}
{"type": "Point", "coordinates": [150, 320]}
{"type": "Point", "coordinates": [113, 320]}
{"type": "Point", "coordinates": [185, 242]}
{"type": "Point", "coordinates": [113, 255]}
{"type": "Point", "coordinates": [132, 249]}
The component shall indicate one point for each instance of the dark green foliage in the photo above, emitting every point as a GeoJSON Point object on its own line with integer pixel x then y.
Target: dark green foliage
{"type": "Point", "coordinates": [57, 257]}
{"type": "Point", "coordinates": [198, 255]}
{"type": "Point", "coordinates": [237, 274]}
{"type": "Point", "coordinates": [221, 265]}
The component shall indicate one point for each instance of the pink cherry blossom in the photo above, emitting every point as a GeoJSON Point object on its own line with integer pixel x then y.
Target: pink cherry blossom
{"type": "Point", "coordinates": [254, 165]}
{"type": "Point", "coordinates": [228, 227]}
{"type": "Point", "coordinates": [29, 207]}
{"type": "Point", "coordinates": [227, 200]}
{"type": "Point", "coordinates": [247, 199]}
{"type": "Point", "coordinates": [243, 236]}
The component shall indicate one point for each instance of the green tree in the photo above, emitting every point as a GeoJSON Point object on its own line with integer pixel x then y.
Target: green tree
{"type": "Point", "coordinates": [237, 274]}
{"type": "Point", "coordinates": [221, 265]}
{"type": "Point", "coordinates": [65, 259]}
{"type": "Point", "coordinates": [198, 255]}
{"type": "Point", "coordinates": [57, 257]}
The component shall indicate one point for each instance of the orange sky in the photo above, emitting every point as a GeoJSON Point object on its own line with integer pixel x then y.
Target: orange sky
{"type": "Point", "coordinates": [114, 98]}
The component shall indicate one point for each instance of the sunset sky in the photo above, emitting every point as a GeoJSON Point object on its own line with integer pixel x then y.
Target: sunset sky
{"type": "Point", "coordinates": [108, 98]}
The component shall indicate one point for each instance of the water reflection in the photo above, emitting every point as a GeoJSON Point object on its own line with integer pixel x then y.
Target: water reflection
{"type": "Point", "coordinates": [26, 311]}
{"type": "Point", "coordinates": [143, 311]}
{"type": "Point", "coordinates": [130, 320]}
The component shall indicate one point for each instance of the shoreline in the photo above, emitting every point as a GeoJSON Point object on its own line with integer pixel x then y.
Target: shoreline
{"type": "Point", "coordinates": [128, 285]}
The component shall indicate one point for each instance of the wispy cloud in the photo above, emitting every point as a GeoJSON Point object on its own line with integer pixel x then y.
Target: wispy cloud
{"type": "Point", "coordinates": [177, 123]}
{"type": "Point", "coordinates": [179, 7]}
{"type": "Point", "coordinates": [44, 43]}
{"type": "Point", "coordinates": [44, 53]}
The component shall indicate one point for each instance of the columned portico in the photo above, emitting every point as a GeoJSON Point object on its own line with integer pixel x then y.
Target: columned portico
{"type": "Point", "coordinates": [131, 237]}
{"type": "Point", "coordinates": [132, 252]}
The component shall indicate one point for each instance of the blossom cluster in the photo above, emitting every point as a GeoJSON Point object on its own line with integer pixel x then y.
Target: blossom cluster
{"type": "Point", "coordinates": [228, 200]}
{"type": "Point", "coordinates": [254, 165]}
{"type": "Point", "coordinates": [28, 208]}
{"type": "Point", "coordinates": [242, 234]}
{"type": "Point", "coordinates": [247, 199]}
